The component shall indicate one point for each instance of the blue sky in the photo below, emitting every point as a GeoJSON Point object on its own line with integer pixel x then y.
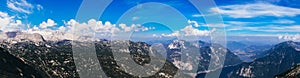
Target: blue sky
{"type": "Point", "coordinates": [278, 18]}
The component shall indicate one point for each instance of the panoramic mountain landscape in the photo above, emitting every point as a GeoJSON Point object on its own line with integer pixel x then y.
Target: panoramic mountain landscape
{"type": "Point", "coordinates": [37, 57]}
{"type": "Point", "coordinates": [149, 39]}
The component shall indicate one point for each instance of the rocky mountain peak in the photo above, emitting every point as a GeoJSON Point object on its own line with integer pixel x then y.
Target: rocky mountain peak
{"type": "Point", "coordinates": [176, 44]}
{"type": "Point", "coordinates": [20, 36]}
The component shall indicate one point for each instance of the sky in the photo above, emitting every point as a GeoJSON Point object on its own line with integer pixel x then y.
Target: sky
{"type": "Point", "coordinates": [152, 19]}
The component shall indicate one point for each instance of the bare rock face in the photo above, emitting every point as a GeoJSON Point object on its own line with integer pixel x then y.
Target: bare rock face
{"type": "Point", "coordinates": [33, 37]}
{"type": "Point", "coordinates": [20, 36]}
{"type": "Point", "coordinates": [12, 34]}
{"type": "Point", "coordinates": [56, 60]}
{"type": "Point", "coordinates": [13, 67]}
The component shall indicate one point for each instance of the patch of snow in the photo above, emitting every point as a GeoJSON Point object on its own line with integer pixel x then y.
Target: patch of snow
{"type": "Point", "coordinates": [246, 72]}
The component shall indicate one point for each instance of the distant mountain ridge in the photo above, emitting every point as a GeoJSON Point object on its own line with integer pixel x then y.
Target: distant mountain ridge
{"type": "Point", "coordinates": [196, 55]}
{"type": "Point", "coordinates": [281, 58]}
{"type": "Point", "coordinates": [55, 58]}
{"type": "Point", "coordinates": [17, 36]}
{"type": "Point", "coordinates": [248, 52]}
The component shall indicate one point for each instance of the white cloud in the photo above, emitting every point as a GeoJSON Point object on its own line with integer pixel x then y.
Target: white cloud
{"type": "Point", "coordinates": [269, 28]}
{"type": "Point", "coordinates": [134, 27]}
{"type": "Point", "coordinates": [190, 31]}
{"type": "Point", "coordinates": [217, 25]}
{"type": "Point", "coordinates": [90, 30]}
{"type": "Point", "coordinates": [39, 7]}
{"type": "Point", "coordinates": [62, 28]}
{"type": "Point", "coordinates": [239, 23]}
{"type": "Point", "coordinates": [20, 6]}
{"type": "Point", "coordinates": [72, 22]}
{"type": "Point", "coordinates": [135, 18]}
{"type": "Point", "coordinates": [194, 23]}
{"type": "Point", "coordinates": [256, 10]}
{"type": "Point", "coordinates": [174, 34]}
{"type": "Point", "coordinates": [8, 23]}
{"type": "Point", "coordinates": [156, 36]}
{"type": "Point", "coordinates": [292, 28]}
{"type": "Point", "coordinates": [35, 28]}
{"type": "Point", "coordinates": [284, 21]}
{"type": "Point", "coordinates": [23, 6]}
{"type": "Point", "coordinates": [270, 1]}
{"type": "Point", "coordinates": [48, 23]}
{"type": "Point", "coordinates": [197, 15]}
{"type": "Point", "coordinates": [127, 28]}
{"type": "Point", "coordinates": [202, 15]}
{"type": "Point", "coordinates": [187, 31]}
{"type": "Point", "coordinates": [265, 26]}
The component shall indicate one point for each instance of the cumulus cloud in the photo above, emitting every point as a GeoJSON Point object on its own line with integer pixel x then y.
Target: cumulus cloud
{"type": "Point", "coordinates": [48, 23]}
{"type": "Point", "coordinates": [134, 27]}
{"type": "Point", "coordinates": [194, 23]}
{"type": "Point", "coordinates": [62, 28]}
{"type": "Point", "coordinates": [8, 23]}
{"type": "Point", "coordinates": [255, 10]}
{"type": "Point", "coordinates": [35, 28]}
{"type": "Point", "coordinates": [174, 34]}
{"type": "Point", "coordinates": [127, 28]}
{"type": "Point", "coordinates": [71, 31]}
{"type": "Point", "coordinates": [90, 30]}
{"type": "Point", "coordinates": [190, 31]}
{"type": "Point", "coordinates": [185, 32]}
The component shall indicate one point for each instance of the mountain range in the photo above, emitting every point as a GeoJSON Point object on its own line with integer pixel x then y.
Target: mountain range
{"type": "Point", "coordinates": [44, 58]}
{"type": "Point", "coordinates": [55, 58]}
{"type": "Point", "coordinates": [279, 59]}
